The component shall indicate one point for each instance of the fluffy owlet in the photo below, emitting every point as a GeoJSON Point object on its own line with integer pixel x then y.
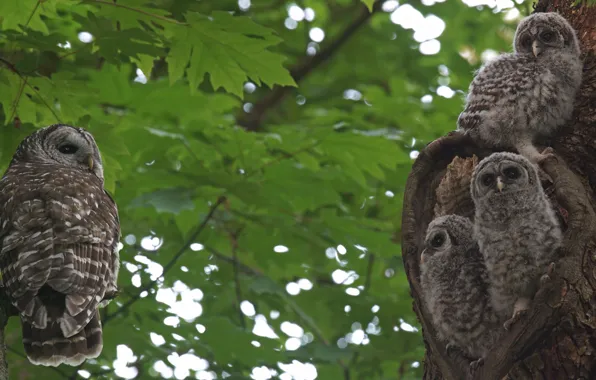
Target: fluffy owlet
{"type": "Point", "coordinates": [59, 234]}
{"type": "Point", "coordinates": [516, 230]}
{"type": "Point", "coordinates": [455, 286]}
{"type": "Point", "coordinates": [522, 96]}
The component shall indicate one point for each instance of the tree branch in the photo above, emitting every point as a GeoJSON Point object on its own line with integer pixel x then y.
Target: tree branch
{"type": "Point", "coordinates": [252, 121]}
{"type": "Point", "coordinates": [170, 264]}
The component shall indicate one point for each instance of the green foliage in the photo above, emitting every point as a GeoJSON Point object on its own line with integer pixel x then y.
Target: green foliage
{"type": "Point", "coordinates": [310, 144]}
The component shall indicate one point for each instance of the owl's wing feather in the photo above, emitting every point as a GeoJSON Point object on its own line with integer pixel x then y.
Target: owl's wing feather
{"type": "Point", "coordinates": [58, 257]}
{"type": "Point", "coordinates": [507, 78]}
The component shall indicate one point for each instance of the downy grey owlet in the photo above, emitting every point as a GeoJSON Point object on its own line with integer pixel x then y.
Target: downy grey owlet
{"type": "Point", "coordinates": [521, 96]}
{"type": "Point", "coordinates": [516, 230]}
{"type": "Point", "coordinates": [455, 288]}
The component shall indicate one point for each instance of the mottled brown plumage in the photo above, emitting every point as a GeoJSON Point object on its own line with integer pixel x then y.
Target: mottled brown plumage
{"type": "Point", "coordinates": [59, 233]}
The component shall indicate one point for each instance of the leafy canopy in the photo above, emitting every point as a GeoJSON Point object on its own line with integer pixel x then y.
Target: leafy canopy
{"type": "Point", "coordinates": [258, 151]}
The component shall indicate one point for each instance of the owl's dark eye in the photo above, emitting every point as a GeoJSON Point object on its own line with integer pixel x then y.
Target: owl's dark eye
{"type": "Point", "coordinates": [487, 179]}
{"type": "Point", "coordinates": [437, 240]}
{"type": "Point", "coordinates": [67, 149]}
{"type": "Point", "coordinates": [547, 36]}
{"type": "Point", "coordinates": [512, 172]}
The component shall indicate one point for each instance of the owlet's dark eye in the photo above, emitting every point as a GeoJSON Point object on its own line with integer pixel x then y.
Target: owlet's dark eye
{"type": "Point", "coordinates": [487, 179]}
{"type": "Point", "coordinates": [437, 240]}
{"type": "Point", "coordinates": [67, 149]}
{"type": "Point", "coordinates": [547, 36]}
{"type": "Point", "coordinates": [512, 172]}
{"type": "Point", "coordinates": [527, 42]}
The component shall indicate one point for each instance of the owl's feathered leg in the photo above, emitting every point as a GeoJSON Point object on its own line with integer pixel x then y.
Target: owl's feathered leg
{"type": "Point", "coordinates": [453, 350]}
{"type": "Point", "coordinates": [529, 151]}
{"type": "Point", "coordinates": [521, 307]}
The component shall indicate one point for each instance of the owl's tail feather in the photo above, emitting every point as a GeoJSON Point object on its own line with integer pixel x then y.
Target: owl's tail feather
{"type": "Point", "coordinates": [49, 347]}
{"type": "Point", "coordinates": [75, 316]}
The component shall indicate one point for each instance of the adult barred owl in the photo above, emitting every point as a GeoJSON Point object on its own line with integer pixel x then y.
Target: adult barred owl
{"type": "Point", "coordinates": [59, 233]}
{"type": "Point", "coordinates": [520, 97]}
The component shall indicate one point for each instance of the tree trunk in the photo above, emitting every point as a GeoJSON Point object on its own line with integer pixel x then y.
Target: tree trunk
{"type": "Point", "coordinates": [557, 338]}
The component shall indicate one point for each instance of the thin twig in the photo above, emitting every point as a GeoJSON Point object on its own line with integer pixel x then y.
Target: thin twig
{"type": "Point", "coordinates": [14, 69]}
{"type": "Point", "coordinates": [166, 19]}
{"type": "Point", "coordinates": [236, 269]}
{"type": "Point", "coordinates": [241, 266]}
{"type": "Point", "coordinates": [171, 263]}
{"type": "Point", "coordinates": [44, 101]}
{"type": "Point", "coordinates": [16, 101]}
{"type": "Point", "coordinates": [32, 13]}
{"type": "Point", "coordinates": [369, 267]}
{"type": "Point", "coordinates": [10, 65]}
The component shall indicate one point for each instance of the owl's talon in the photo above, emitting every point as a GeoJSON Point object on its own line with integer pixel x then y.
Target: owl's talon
{"type": "Point", "coordinates": [546, 277]}
{"type": "Point", "coordinates": [452, 350]}
{"type": "Point", "coordinates": [547, 154]}
{"type": "Point", "coordinates": [476, 364]}
{"type": "Point", "coordinates": [516, 317]}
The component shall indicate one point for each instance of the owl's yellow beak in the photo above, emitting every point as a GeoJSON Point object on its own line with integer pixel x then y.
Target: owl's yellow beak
{"type": "Point", "coordinates": [500, 184]}
{"type": "Point", "coordinates": [536, 48]}
{"type": "Point", "coordinates": [90, 162]}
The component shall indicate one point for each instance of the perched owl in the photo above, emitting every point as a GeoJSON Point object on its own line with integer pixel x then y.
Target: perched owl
{"type": "Point", "coordinates": [455, 287]}
{"type": "Point", "coordinates": [522, 96]}
{"type": "Point", "coordinates": [516, 230]}
{"type": "Point", "coordinates": [59, 233]}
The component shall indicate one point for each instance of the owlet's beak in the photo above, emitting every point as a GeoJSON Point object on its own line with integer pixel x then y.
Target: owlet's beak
{"type": "Point", "coordinates": [90, 162]}
{"type": "Point", "coordinates": [422, 258]}
{"type": "Point", "coordinates": [536, 48]}
{"type": "Point", "coordinates": [500, 184]}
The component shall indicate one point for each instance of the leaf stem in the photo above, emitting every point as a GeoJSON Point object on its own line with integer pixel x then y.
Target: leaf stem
{"type": "Point", "coordinates": [32, 13]}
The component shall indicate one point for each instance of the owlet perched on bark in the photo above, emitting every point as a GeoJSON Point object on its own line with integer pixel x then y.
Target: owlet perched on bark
{"type": "Point", "coordinates": [455, 286]}
{"type": "Point", "coordinates": [521, 96]}
{"type": "Point", "coordinates": [516, 230]}
{"type": "Point", "coordinates": [59, 235]}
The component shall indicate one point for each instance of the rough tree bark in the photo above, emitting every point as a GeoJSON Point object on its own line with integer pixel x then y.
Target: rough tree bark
{"type": "Point", "coordinates": [557, 338]}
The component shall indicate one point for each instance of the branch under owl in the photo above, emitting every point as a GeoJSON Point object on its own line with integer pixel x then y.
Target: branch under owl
{"type": "Point", "coordinates": [7, 310]}
{"type": "Point", "coordinates": [438, 167]}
